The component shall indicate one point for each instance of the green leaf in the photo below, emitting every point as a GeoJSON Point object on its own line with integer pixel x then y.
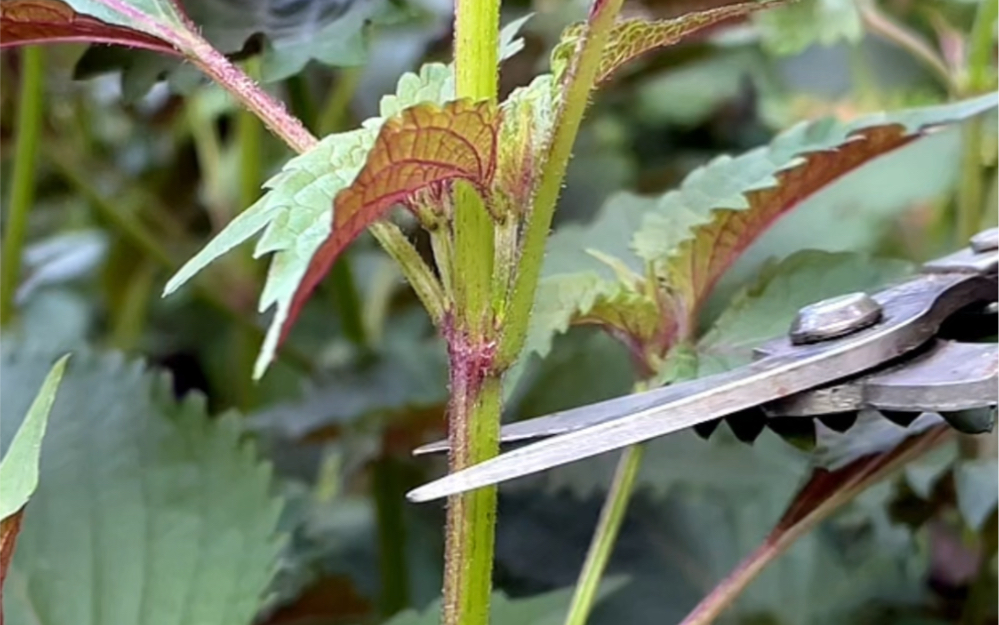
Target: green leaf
{"type": "Point", "coordinates": [546, 609]}
{"type": "Point", "coordinates": [147, 511]}
{"type": "Point", "coordinates": [19, 467]}
{"type": "Point", "coordinates": [976, 485]}
{"type": "Point", "coordinates": [295, 213]}
{"type": "Point", "coordinates": [580, 286]}
{"type": "Point", "coordinates": [792, 28]}
{"type": "Point", "coordinates": [766, 309]}
{"type": "Point", "coordinates": [732, 201]}
{"type": "Point", "coordinates": [160, 18]}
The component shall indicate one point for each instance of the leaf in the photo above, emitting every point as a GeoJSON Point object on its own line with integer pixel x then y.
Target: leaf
{"type": "Point", "coordinates": [425, 146]}
{"type": "Point", "coordinates": [295, 212]}
{"type": "Point", "coordinates": [632, 38]}
{"type": "Point", "coordinates": [797, 25]}
{"type": "Point", "coordinates": [766, 309]}
{"type": "Point", "coordinates": [162, 19]}
{"type": "Point", "coordinates": [976, 485]}
{"type": "Point", "coordinates": [19, 467]}
{"type": "Point", "coordinates": [825, 492]}
{"type": "Point", "coordinates": [146, 508]}
{"type": "Point", "coordinates": [579, 287]}
{"type": "Point", "coordinates": [733, 200]}
{"type": "Point", "coordinates": [25, 22]}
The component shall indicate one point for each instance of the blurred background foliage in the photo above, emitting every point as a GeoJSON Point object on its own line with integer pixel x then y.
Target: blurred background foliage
{"type": "Point", "coordinates": [135, 173]}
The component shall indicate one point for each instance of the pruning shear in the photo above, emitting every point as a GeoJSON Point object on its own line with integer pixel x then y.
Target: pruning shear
{"type": "Point", "coordinates": [892, 351]}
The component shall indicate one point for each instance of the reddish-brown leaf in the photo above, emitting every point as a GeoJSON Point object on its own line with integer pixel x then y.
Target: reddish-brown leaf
{"type": "Point", "coordinates": [25, 22]}
{"type": "Point", "coordinates": [425, 145]}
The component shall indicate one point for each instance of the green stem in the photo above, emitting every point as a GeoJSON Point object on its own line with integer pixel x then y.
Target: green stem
{"type": "Point", "coordinates": [608, 527]}
{"type": "Point", "coordinates": [970, 191]}
{"type": "Point", "coordinates": [130, 316]}
{"type": "Point", "coordinates": [880, 24]}
{"type": "Point", "coordinates": [388, 486]}
{"type": "Point", "coordinates": [476, 395]}
{"type": "Point", "coordinates": [334, 115]}
{"type": "Point", "coordinates": [301, 102]}
{"type": "Point", "coordinates": [473, 430]}
{"type": "Point", "coordinates": [575, 97]}
{"type": "Point", "coordinates": [475, 400]}
{"type": "Point", "coordinates": [977, 79]}
{"type": "Point", "coordinates": [289, 129]}
{"type": "Point", "coordinates": [30, 110]}
{"type": "Point", "coordinates": [980, 48]}
{"type": "Point", "coordinates": [208, 148]}
{"type": "Point", "coordinates": [347, 301]}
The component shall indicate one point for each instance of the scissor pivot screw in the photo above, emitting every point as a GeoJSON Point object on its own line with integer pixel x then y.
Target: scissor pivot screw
{"type": "Point", "coordinates": [834, 317]}
{"type": "Point", "coordinates": [985, 241]}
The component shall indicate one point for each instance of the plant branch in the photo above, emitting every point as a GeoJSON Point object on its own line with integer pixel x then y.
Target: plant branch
{"type": "Point", "coordinates": [604, 537]}
{"type": "Point", "coordinates": [575, 96]}
{"type": "Point", "coordinates": [824, 494]}
{"type": "Point", "coordinates": [980, 48]}
{"type": "Point", "coordinates": [30, 110]}
{"type": "Point", "coordinates": [886, 28]}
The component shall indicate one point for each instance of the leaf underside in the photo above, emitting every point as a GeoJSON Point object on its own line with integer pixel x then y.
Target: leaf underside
{"type": "Point", "coordinates": [688, 238]}
{"type": "Point", "coordinates": [24, 22]}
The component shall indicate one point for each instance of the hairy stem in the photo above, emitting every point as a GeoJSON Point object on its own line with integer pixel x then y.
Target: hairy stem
{"type": "Point", "coordinates": [29, 127]}
{"type": "Point", "coordinates": [289, 129]}
{"type": "Point", "coordinates": [575, 96]}
{"type": "Point", "coordinates": [473, 430]}
{"type": "Point", "coordinates": [474, 405]}
{"type": "Point", "coordinates": [608, 528]}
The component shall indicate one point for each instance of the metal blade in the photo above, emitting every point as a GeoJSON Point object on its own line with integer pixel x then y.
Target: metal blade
{"type": "Point", "coordinates": [912, 315]}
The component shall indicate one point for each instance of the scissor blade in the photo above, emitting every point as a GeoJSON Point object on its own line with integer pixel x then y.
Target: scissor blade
{"type": "Point", "coordinates": [913, 312]}
{"type": "Point", "coordinates": [570, 420]}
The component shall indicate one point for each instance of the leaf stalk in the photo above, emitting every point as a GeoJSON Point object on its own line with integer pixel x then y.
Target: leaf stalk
{"type": "Point", "coordinates": [30, 110]}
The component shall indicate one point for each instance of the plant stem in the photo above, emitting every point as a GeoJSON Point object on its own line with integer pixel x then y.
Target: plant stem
{"type": "Point", "coordinates": [980, 48]}
{"type": "Point", "coordinates": [334, 114]}
{"type": "Point", "coordinates": [608, 527]}
{"type": "Point", "coordinates": [271, 112]}
{"type": "Point", "coordinates": [289, 129]}
{"type": "Point", "coordinates": [347, 301]}
{"type": "Point", "coordinates": [473, 431]}
{"type": "Point", "coordinates": [574, 100]}
{"type": "Point", "coordinates": [388, 487]}
{"type": "Point", "coordinates": [476, 391]}
{"type": "Point", "coordinates": [977, 79]}
{"type": "Point", "coordinates": [30, 110]}
{"type": "Point", "coordinates": [806, 511]}
{"type": "Point", "coordinates": [886, 28]}
{"type": "Point", "coordinates": [301, 102]}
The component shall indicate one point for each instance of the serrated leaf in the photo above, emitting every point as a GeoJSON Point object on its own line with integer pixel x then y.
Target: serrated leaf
{"type": "Point", "coordinates": [765, 309]}
{"type": "Point", "coordinates": [295, 212]}
{"type": "Point", "coordinates": [792, 28]}
{"type": "Point", "coordinates": [19, 467]}
{"type": "Point", "coordinates": [976, 486]}
{"type": "Point", "coordinates": [147, 511]}
{"type": "Point", "coordinates": [424, 146]}
{"type": "Point", "coordinates": [25, 22]}
{"type": "Point", "coordinates": [632, 38]}
{"type": "Point", "coordinates": [736, 199]}
{"type": "Point", "coordinates": [577, 285]}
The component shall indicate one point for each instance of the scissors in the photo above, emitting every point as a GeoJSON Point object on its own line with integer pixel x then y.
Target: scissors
{"type": "Point", "coordinates": [892, 351]}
